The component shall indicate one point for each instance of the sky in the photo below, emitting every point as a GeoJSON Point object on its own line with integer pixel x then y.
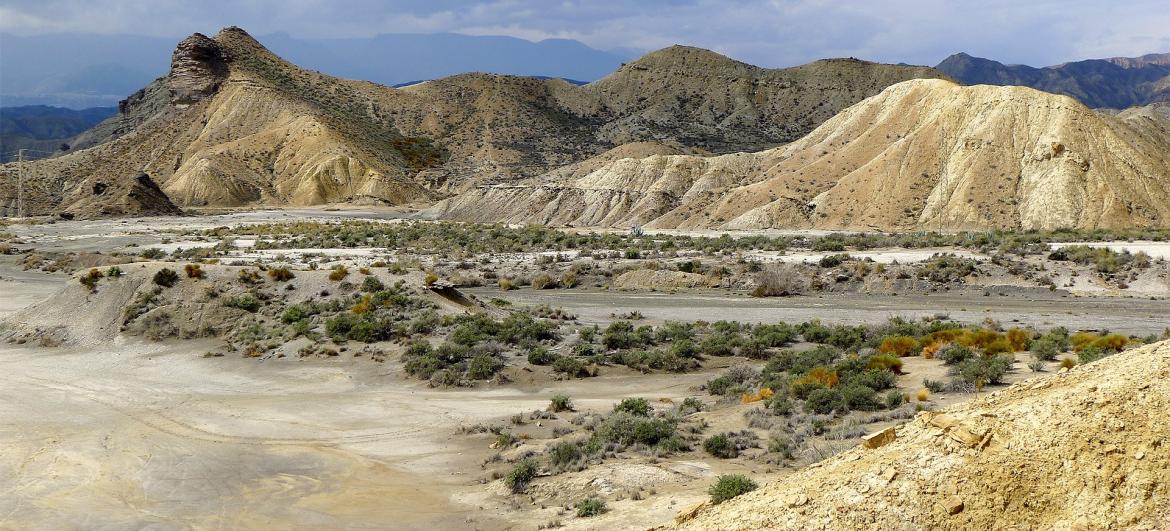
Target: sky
{"type": "Point", "coordinates": [763, 32]}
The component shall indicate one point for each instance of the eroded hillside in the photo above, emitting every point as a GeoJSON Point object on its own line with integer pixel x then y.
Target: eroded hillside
{"type": "Point", "coordinates": [234, 125]}
{"type": "Point", "coordinates": [923, 154]}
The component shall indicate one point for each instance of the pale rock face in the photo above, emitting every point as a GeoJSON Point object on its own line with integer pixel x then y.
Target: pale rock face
{"type": "Point", "coordinates": [922, 154]}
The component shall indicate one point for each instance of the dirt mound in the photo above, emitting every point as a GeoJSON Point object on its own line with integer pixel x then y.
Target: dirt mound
{"type": "Point", "coordinates": [1081, 449]}
{"type": "Point", "coordinates": [923, 154]}
{"type": "Point", "coordinates": [640, 279]}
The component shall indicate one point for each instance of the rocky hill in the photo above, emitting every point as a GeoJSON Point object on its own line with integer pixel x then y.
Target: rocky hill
{"type": "Point", "coordinates": [1083, 449]}
{"type": "Point", "coordinates": [923, 154]}
{"type": "Point", "coordinates": [234, 125]}
{"type": "Point", "coordinates": [1115, 83]}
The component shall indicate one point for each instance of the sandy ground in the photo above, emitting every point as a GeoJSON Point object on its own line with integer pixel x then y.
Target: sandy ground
{"type": "Point", "coordinates": [1130, 316]}
{"type": "Point", "coordinates": [136, 434]}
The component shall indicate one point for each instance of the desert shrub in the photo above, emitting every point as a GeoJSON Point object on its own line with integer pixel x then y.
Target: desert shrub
{"type": "Point", "coordinates": [729, 486]}
{"type": "Point", "coordinates": [998, 346]}
{"type": "Point", "coordinates": [1045, 349]}
{"type": "Point", "coordinates": [774, 335]}
{"type": "Point", "coordinates": [539, 355]}
{"type": "Point", "coordinates": [483, 366]}
{"type": "Point", "coordinates": [825, 401]}
{"type": "Point", "coordinates": [955, 354]}
{"type": "Point", "coordinates": [506, 284]}
{"type": "Point", "coordinates": [371, 284]}
{"type": "Point", "coordinates": [933, 386]}
{"type": "Point", "coordinates": [591, 506]}
{"type": "Point", "coordinates": [114, 272]}
{"type": "Point", "coordinates": [248, 277]}
{"type": "Point", "coordinates": [430, 279]}
{"type": "Point", "coordinates": [886, 362]}
{"type": "Point", "coordinates": [165, 277]}
{"type": "Point", "coordinates": [834, 260]}
{"type": "Point", "coordinates": [194, 271]}
{"type": "Point", "coordinates": [560, 402]}
{"type": "Point", "coordinates": [338, 273]}
{"type": "Point", "coordinates": [1110, 343]}
{"type": "Point", "coordinates": [152, 254]}
{"type": "Point", "coordinates": [860, 398]}
{"type": "Point", "coordinates": [520, 476]}
{"type": "Point", "coordinates": [923, 395]}
{"type": "Point", "coordinates": [90, 279]}
{"type": "Point", "coordinates": [780, 405]}
{"type": "Point", "coordinates": [564, 454]}
{"type": "Point", "coordinates": [690, 405]}
{"type": "Point", "coordinates": [626, 429]}
{"type": "Point", "coordinates": [280, 274]}
{"type": "Point", "coordinates": [543, 281]}
{"type": "Point", "coordinates": [983, 370]}
{"type": "Point", "coordinates": [246, 302]}
{"type": "Point", "coordinates": [1068, 363]}
{"type": "Point", "coordinates": [781, 280]}
{"type": "Point", "coordinates": [720, 446]}
{"type": "Point", "coordinates": [899, 346]}
{"type": "Point", "coordinates": [1090, 354]}
{"type": "Point", "coordinates": [1019, 339]}
{"type": "Point", "coordinates": [895, 399]}
{"type": "Point", "coordinates": [634, 406]}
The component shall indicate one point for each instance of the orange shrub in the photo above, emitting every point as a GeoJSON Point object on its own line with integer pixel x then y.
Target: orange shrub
{"type": "Point", "coordinates": [1019, 339]}
{"type": "Point", "coordinates": [363, 306]}
{"type": "Point", "coordinates": [822, 375]}
{"type": "Point", "coordinates": [886, 361]}
{"type": "Point", "coordinates": [923, 395]}
{"type": "Point", "coordinates": [763, 394]}
{"type": "Point", "coordinates": [944, 336]}
{"type": "Point", "coordinates": [899, 345]}
{"type": "Point", "coordinates": [1068, 363]}
{"type": "Point", "coordinates": [979, 338]}
{"type": "Point", "coordinates": [932, 348]}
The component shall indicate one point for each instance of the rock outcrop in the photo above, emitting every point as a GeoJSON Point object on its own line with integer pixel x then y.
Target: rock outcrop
{"type": "Point", "coordinates": [198, 67]}
{"type": "Point", "coordinates": [1082, 449]}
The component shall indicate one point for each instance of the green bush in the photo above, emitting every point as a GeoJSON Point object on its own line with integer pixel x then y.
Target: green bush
{"type": "Point", "coordinates": [825, 401]}
{"type": "Point", "coordinates": [720, 446]}
{"type": "Point", "coordinates": [570, 366]}
{"type": "Point", "coordinates": [983, 370]}
{"type": "Point", "coordinates": [591, 507]}
{"type": "Point", "coordinates": [564, 453]}
{"type": "Point", "coordinates": [560, 402]}
{"type": "Point", "coordinates": [540, 356]}
{"type": "Point", "coordinates": [626, 429]}
{"type": "Point", "coordinates": [520, 476]}
{"type": "Point", "coordinates": [294, 313]}
{"type": "Point", "coordinates": [483, 367]}
{"type": "Point", "coordinates": [860, 398]}
{"type": "Point", "coordinates": [955, 354]}
{"type": "Point", "coordinates": [634, 406]}
{"type": "Point", "coordinates": [371, 284]}
{"type": "Point", "coordinates": [729, 486]}
{"type": "Point", "coordinates": [245, 302]}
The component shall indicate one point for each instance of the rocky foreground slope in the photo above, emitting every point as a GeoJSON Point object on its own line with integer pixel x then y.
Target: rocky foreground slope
{"type": "Point", "coordinates": [1083, 449]}
{"type": "Point", "coordinates": [922, 154]}
{"type": "Point", "coordinates": [234, 125]}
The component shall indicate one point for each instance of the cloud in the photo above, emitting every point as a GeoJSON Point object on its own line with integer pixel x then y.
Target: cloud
{"type": "Point", "coordinates": [764, 32]}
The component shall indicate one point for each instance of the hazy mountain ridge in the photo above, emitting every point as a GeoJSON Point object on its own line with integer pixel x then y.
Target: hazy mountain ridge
{"type": "Point", "coordinates": [44, 130]}
{"type": "Point", "coordinates": [84, 70]}
{"type": "Point", "coordinates": [1114, 83]}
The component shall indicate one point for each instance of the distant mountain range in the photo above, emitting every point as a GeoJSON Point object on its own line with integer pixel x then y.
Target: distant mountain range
{"type": "Point", "coordinates": [1115, 83]}
{"type": "Point", "coordinates": [44, 130]}
{"type": "Point", "coordinates": [79, 70]}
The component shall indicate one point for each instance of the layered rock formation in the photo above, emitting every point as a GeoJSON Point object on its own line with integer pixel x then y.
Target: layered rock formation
{"type": "Point", "coordinates": [923, 154]}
